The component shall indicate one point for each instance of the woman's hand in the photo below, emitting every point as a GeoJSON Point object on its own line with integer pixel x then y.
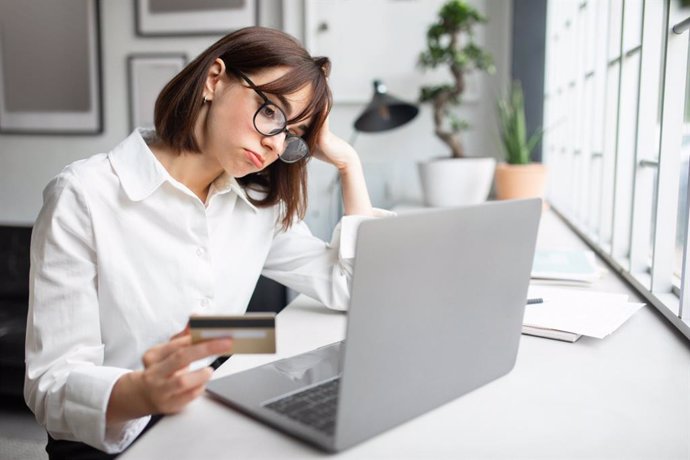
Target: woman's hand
{"type": "Point", "coordinates": [334, 150]}
{"type": "Point", "coordinates": [166, 385]}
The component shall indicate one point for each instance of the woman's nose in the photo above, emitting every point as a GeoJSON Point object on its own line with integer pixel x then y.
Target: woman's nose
{"type": "Point", "coordinates": [275, 143]}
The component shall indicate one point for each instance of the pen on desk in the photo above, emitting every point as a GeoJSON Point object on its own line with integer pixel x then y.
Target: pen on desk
{"type": "Point", "coordinates": [535, 300]}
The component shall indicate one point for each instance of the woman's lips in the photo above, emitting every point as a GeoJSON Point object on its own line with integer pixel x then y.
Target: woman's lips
{"type": "Point", "coordinates": [255, 158]}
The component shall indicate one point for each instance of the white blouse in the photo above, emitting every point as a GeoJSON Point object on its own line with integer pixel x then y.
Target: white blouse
{"type": "Point", "coordinates": [122, 254]}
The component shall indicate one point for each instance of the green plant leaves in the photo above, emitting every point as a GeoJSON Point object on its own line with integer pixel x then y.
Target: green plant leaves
{"type": "Point", "coordinates": [513, 129]}
{"type": "Point", "coordinates": [459, 15]}
{"type": "Point", "coordinates": [450, 42]}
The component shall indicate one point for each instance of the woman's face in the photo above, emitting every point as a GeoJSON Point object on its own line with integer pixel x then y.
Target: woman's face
{"type": "Point", "coordinates": [228, 136]}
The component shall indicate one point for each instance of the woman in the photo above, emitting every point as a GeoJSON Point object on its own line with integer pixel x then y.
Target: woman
{"type": "Point", "coordinates": [129, 244]}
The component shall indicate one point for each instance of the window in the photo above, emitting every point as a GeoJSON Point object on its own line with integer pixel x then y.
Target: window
{"type": "Point", "coordinates": [682, 219]}
{"type": "Point", "coordinates": [618, 137]}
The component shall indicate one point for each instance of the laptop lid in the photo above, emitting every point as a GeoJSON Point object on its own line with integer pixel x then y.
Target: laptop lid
{"type": "Point", "coordinates": [436, 311]}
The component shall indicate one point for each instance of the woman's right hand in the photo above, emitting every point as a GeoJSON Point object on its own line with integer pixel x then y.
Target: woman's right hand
{"type": "Point", "coordinates": [165, 385]}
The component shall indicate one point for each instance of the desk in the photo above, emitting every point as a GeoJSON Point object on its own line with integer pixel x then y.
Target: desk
{"type": "Point", "coordinates": [624, 397]}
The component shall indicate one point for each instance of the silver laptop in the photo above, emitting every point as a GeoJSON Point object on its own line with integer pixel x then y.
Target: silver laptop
{"type": "Point", "coordinates": [436, 312]}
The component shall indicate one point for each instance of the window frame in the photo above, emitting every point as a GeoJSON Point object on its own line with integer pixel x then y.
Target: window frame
{"type": "Point", "coordinates": [604, 180]}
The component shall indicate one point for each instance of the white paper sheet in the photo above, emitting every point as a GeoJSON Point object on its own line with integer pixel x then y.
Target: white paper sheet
{"type": "Point", "coordinates": [595, 314]}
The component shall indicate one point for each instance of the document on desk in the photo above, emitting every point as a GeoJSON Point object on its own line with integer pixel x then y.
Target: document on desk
{"type": "Point", "coordinates": [569, 265]}
{"type": "Point", "coordinates": [578, 312]}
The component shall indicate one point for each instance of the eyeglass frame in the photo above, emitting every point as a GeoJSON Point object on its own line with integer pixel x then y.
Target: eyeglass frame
{"type": "Point", "coordinates": [266, 102]}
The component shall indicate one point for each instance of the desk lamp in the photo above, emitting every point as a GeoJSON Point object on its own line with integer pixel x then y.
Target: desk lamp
{"type": "Point", "coordinates": [384, 112]}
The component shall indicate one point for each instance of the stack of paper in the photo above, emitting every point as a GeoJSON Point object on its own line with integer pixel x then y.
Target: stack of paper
{"type": "Point", "coordinates": [567, 314]}
{"type": "Point", "coordinates": [565, 265]}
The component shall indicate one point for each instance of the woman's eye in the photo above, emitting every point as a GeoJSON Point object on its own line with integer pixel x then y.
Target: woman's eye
{"type": "Point", "coordinates": [268, 112]}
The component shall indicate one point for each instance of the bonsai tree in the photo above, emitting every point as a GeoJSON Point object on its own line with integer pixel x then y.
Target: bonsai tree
{"type": "Point", "coordinates": [450, 42]}
{"type": "Point", "coordinates": [511, 112]}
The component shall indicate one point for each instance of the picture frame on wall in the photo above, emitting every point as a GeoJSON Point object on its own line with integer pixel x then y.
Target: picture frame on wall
{"type": "Point", "coordinates": [194, 17]}
{"type": "Point", "coordinates": [50, 68]}
{"type": "Point", "coordinates": [147, 75]}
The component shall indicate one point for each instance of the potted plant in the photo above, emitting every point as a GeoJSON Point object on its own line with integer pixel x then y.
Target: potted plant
{"type": "Point", "coordinates": [450, 43]}
{"type": "Point", "coordinates": [518, 176]}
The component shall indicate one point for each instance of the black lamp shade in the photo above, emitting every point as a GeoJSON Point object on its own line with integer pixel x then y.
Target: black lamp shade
{"type": "Point", "coordinates": [384, 112]}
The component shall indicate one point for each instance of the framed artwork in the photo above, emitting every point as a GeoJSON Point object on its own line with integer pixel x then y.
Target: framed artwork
{"type": "Point", "coordinates": [194, 17]}
{"type": "Point", "coordinates": [147, 75]}
{"type": "Point", "coordinates": [376, 49]}
{"type": "Point", "coordinates": [50, 75]}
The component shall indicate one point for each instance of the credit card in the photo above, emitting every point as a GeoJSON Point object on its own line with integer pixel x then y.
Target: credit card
{"type": "Point", "coordinates": [250, 333]}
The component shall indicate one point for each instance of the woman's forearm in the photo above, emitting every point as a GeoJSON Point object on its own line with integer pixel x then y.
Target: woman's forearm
{"type": "Point", "coordinates": [356, 199]}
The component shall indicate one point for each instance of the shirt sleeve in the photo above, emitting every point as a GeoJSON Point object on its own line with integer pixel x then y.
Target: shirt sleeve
{"type": "Point", "coordinates": [66, 384]}
{"type": "Point", "coordinates": [321, 270]}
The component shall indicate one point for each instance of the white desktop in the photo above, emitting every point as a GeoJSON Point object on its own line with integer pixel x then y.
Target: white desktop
{"type": "Point", "coordinates": [626, 396]}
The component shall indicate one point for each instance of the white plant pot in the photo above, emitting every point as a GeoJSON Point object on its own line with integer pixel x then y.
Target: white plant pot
{"type": "Point", "coordinates": [456, 181]}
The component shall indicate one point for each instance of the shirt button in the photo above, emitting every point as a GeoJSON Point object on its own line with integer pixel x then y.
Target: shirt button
{"type": "Point", "coordinates": [200, 252]}
{"type": "Point", "coordinates": [205, 303]}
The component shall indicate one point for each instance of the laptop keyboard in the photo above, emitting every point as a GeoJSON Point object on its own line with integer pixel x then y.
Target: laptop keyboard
{"type": "Point", "coordinates": [314, 407]}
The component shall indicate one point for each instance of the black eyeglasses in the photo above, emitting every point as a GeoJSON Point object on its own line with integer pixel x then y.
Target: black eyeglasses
{"type": "Point", "coordinates": [270, 120]}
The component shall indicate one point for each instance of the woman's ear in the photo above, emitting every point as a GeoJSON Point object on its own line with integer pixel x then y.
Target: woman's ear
{"type": "Point", "coordinates": [213, 77]}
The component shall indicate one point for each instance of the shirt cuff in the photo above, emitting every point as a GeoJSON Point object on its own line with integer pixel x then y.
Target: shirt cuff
{"type": "Point", "coordinates": [345, 233]}
{"type": "Point", "coordinates": [86, 401]}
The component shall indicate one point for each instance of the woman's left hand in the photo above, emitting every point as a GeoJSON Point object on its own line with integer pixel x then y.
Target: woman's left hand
{"type": "Point", "coordinates": [334, 150]}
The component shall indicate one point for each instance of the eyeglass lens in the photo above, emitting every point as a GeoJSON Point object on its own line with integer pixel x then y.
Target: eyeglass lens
{"type": "Point", "coordinates": [270, 120]}
{"type": "Point", "coordinates": [295, 149]}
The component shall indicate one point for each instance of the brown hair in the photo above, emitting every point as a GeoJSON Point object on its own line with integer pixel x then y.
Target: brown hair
{"type": "Point", "coordinates": [250, 50]}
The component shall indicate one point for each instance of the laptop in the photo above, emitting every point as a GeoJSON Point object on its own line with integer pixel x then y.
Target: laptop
{"type": "Point", "coordinates": [436, 311]}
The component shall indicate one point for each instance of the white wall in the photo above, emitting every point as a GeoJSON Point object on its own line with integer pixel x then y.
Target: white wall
{"type": "Point", "coordinates": [27, 163]}
{"type": "Point", "coordinates": [390, 158]}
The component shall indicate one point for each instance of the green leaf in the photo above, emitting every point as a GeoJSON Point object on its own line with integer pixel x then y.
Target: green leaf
{"type": "Point", "coordinates": [450, 42]}
{"type": "Point", "coordinates": [512, 127]}
{"type": "Point", "coordinates": [457, 124]}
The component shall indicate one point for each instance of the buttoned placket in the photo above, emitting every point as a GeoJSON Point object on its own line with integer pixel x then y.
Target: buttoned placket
{"type": "Point", "coordinates": [204, 289]}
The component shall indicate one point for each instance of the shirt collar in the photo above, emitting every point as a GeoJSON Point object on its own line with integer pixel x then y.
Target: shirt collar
{"type": "Point", "coordinates": [226, 183]}
{"type": "Point", "coordinates": [141, 173]}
